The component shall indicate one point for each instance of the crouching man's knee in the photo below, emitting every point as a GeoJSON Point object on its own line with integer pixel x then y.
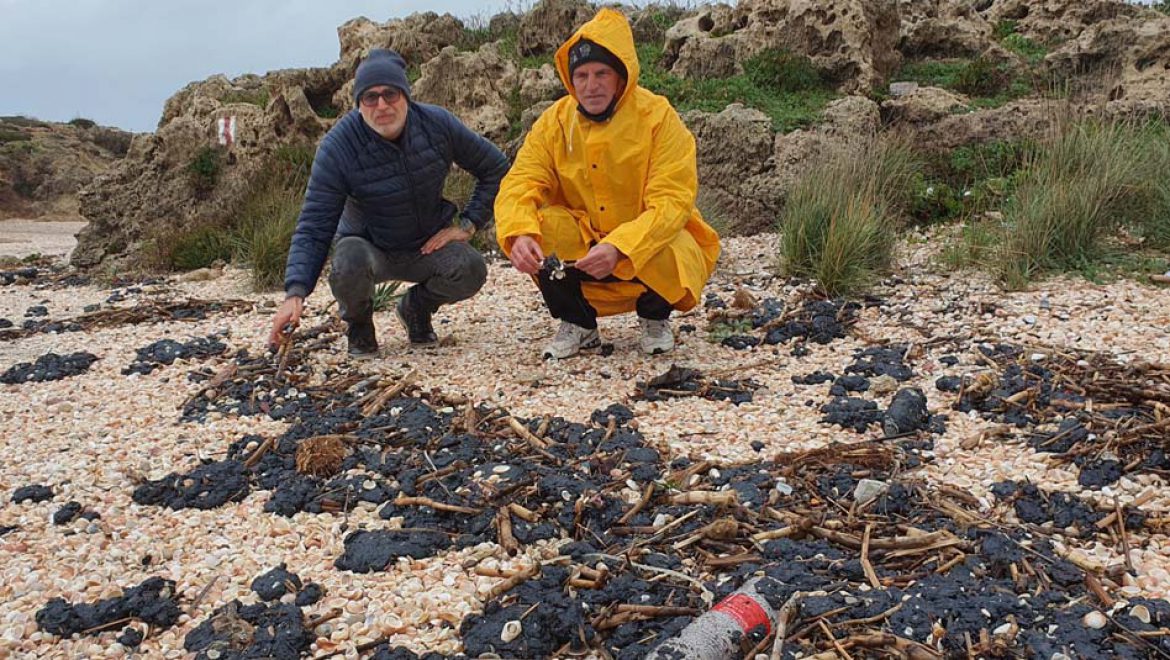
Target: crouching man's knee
{"type": "Point", "coordinates": [352, 264]}
{"type": "Point", "coordinates": [464, 272]}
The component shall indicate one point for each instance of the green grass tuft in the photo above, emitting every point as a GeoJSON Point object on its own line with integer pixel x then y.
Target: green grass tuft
{"type": "Point", "coordinates": [387, 295]}
{"type": "Point", "coordinates": [199, 248]}
{"type": "Point", "coordinates": [839, 221]}
{"type": "Point", "coordinates": [1089, 180]}
{"type": "Point", "coordinates": [788, 110]}
{"type": "Point", "coordinates": [205, 168]}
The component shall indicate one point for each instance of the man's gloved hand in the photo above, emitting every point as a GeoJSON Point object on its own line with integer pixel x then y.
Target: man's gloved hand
{"type": "Point", "coordinates": [526, 255]}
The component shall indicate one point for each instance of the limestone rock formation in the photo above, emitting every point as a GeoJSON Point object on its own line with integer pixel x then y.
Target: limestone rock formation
{"type": "Point", "coordinates": [745, 170]}
{"type": "Point", "coordinates": [950, 28]}
{"type": "Point", "coordinates": [418, 37]}
{"type": "Point", "coordinates": [44, 165]}
{"type": "Point", "coordinates": [183, 176]}
{"type": "Point", "coordinates": [180, 176]}
{"type": "Point", "coordinates": [923, 106]}
{"type": "Point", "coordinates": [1055, 21]}
{"type": "Point", "coordinates": [475, 86]}
{"type": "Point", "coordinates": [1127, 57]}
{"type": "Point", "coordinates": [852, 42]}
{"type": "Point", "coordinates": [549, 23]}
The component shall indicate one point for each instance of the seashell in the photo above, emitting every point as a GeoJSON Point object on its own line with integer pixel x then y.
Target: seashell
{"type": "Point", "coordinates": [1141, 613]}
{"type": "Point", "coordinates": [511, 631]}
{"type": "Point", "coordinates": [1095, 620]}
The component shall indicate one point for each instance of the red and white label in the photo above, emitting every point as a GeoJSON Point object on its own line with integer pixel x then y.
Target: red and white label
{"type": "Point", "coordinates": [746, 612]}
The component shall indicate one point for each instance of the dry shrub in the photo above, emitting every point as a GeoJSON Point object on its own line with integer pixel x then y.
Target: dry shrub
{"type": "Point", "coordinates": [322, 455]}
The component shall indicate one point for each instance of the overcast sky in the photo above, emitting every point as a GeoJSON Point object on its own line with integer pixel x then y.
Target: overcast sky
{"type": "Point", "coordinates": [117, 61]}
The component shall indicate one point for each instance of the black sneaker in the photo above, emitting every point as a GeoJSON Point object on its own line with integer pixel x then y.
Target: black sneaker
{"type": "Point", "coordinates": [417, 323]}
{"type": "Point", "coordinates": [362, 343]}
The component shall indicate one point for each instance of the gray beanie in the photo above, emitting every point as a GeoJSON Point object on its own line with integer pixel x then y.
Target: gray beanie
{"type": "Point", "coordinates": [381, 67]}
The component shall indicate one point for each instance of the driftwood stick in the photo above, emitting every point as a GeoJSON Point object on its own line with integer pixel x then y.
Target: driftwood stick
{"type": "Point", "coordinates": [403, 500]}
{"type": "Point", "coordinates": [717, 498]}
{"type": "Point", "coordinates": [259, 453]}
{"type": "Point", "coordinates": [870, 574]}
{"type": "Point", "coordinates": [783, 618]}
{"type": "Point", "coordinates": [375, 406]}
{"type": "Point", "coordinates": [896, 543]}
{"type": "Point", "coordinates": [513, 582]}
{"type": "Point", "coordinates": [523, 513]}
{"type": "Point", "coordinates": [833, 638]}
{"type": "Point", "coordinates": [1141, 499]}
{"type": "Point", "coordinates": [504, 529]}
{"type": "Point", "coordinates": [909, 648]}
{"type": "Point", "coordinates": [528, 436]}
{"type": "Point", "coordinates": [1124, 534]}
{"type": "Point", "coordinates": [202, 594]}
{"type": "Point", "coordinates": [647, 494]}
{"type": "Point", "coordinates": [1094, 585]}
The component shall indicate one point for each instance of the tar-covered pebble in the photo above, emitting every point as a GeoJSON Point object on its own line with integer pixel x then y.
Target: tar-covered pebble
{"type": "Point", "coordinates": [32, 493]}
{"type": "Point", "coordinates": [67, 513]}
{"type": "Point", "coordinates": [276, 583]}
{"type": "Point", "coordinates": [49, 366]}
{"type": "Point", "coordinates": [152, 602]}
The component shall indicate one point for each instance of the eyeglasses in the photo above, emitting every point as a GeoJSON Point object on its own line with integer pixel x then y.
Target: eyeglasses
{"type": "Point", "coordinates": [389, 95]}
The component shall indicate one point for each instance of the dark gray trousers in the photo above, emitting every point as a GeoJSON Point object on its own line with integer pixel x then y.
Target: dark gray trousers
{"type": "Point", "coordinates": [455, 272]}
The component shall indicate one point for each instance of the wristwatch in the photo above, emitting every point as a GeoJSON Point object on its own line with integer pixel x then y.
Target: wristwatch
{"type": "Point", "coordinates": [462, 222]}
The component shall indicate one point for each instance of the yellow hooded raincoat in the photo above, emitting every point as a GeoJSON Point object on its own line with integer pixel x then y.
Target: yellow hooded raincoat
{"type": "Point", "coordinates": [629, 181]}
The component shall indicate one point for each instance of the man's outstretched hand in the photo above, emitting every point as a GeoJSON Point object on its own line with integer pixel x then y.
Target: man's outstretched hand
{"type": "Point", "coordinates": [288, 313]}
{"type": "Point", "coordinates": [443, 237]}
{"type": "Point", "coordinates": [600, 261]}
{"type": "Point", "coordinates": [526, 255]}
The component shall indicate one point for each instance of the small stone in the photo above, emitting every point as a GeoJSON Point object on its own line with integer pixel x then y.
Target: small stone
{"type": "Point", "coordinates": [902, 88]}
{"type": "Point", "coordinates": [868, 489]}
{"type": "Point", "coordinates": [1095, 620]}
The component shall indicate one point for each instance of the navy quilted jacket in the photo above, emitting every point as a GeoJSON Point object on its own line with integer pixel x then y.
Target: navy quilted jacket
{"type": "Point", "coordinates": [365, 185]}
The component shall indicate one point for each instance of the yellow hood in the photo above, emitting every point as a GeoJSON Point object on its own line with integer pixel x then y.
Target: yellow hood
{"type": "Point", "coordinates": [610, 29]}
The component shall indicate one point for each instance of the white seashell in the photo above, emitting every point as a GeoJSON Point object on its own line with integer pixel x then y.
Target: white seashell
{"type": "Point", "coordinates": [1095, 620]}
{"type": "Point", "coordinates": [1002, 629]}
{"type": "Point", "coordinates": [1141, 613]}
{"type": "Point", "coordinates": [500, 469]}
{"type": "Point", "coordinates": [511, 631]}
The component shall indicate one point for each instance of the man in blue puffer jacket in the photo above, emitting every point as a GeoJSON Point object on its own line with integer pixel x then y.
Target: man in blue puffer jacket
{"type": "Point", "coordinates": [379, 172]}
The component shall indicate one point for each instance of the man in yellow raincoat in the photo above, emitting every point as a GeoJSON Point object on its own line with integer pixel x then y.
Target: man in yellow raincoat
{"type": "Point", "coordinates": [606, 183]}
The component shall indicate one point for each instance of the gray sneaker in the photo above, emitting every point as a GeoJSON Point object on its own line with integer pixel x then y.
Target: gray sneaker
{"type": "Point", "coordinates": [570, 339]}
{"type": "Point", "coordinates": [656, 336]}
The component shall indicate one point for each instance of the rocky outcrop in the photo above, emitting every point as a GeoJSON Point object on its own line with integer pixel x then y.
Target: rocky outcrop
{"type": "Point", "coordinates": [418, 37]}
{"type": "Point", "coordinates": [947, 28]}
{"type": "Point", "coordinates": [43, 165]}
{"type": "Point", "coordinates": [1051, 22]}
{"type": "Point", "coordinates": [475, 86]}
{"type": "Point", "coordinates": [1126, 57]}
{"type": "Point", "coordinates": [746, 170]}
{"type": "Point", "coordinates": [924, 105]}
{"type": "Point", "coordinates": [549, 23]}
{"type": "Point", "coordinates": [1023, 119]}
{"type": "Point", "coordinates": [182, 176]}
{"type": "Point", "coordinates": [851, 42]}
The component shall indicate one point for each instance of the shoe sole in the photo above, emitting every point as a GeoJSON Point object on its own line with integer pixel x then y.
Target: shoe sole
{"type": "Point", "coordinates": [580, 349]}
{"type": "Point", "coordinates": [658, 350]}
{"type": "Point", "coordinates": [364, 356]}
